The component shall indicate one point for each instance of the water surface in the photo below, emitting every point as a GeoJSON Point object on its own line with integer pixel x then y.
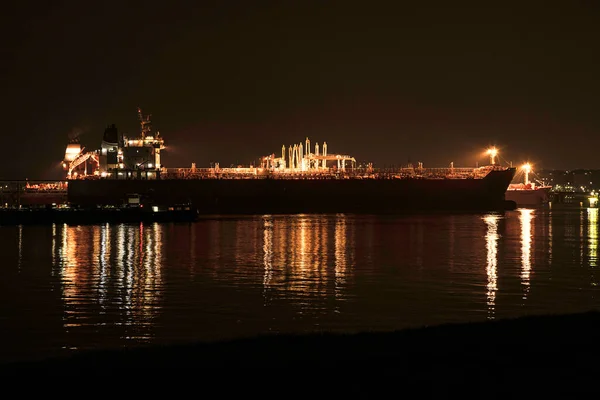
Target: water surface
{"type": "Point", "coordinates": [65, 288]}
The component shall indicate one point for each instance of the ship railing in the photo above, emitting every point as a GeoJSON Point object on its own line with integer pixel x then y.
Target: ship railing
{"type": "Point", "coordinates": [41, 190]}
{"type": "Point", "coordinates": [328, 173]}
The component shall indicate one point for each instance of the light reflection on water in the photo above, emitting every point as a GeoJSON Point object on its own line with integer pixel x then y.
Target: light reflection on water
{"type": "Point", "coordinates": [492, 262]}
{"type": "Point", "coordinates": [592, 235]}
{"type": "Point", "coordinates": [109, 270]}
{"type": "Point", "coordinates": [525, 218]}
{"type": "Point", "coordinates": [115, 285]}
{"type": "Point", "coordinates": [306, 258]}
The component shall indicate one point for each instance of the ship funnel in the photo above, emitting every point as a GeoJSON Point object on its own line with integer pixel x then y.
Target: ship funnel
{"type": "Point", "coordinates": [111, 135]}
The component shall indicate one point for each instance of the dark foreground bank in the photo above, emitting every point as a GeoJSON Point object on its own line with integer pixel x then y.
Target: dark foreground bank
{"type": "Point", "coordinates": [565, 347]}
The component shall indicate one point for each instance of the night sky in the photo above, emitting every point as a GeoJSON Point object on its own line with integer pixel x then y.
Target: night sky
{"type": "Point", "coordinates": [226, 81]}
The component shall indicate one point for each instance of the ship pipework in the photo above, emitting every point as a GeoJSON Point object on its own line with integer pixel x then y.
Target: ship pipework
{"type": "Point", "coordinates": [307, 147]}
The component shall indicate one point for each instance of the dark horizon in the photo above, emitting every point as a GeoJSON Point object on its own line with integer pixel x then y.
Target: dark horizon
{"type": "Point", "coordinates": [384, 82]}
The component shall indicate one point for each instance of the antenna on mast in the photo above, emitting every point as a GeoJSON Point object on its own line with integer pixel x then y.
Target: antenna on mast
{"type": "Point", "coordinates": [145, 123]}
{"type": "Point", "coordinates": [492, 152]}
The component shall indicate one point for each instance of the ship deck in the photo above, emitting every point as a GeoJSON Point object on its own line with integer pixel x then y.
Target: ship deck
{"type": "Point", "coordinates": [330, 173]}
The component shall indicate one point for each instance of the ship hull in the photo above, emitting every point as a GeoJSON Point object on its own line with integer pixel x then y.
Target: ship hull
{"type": "Point", "coordinates": [290, 196]}
{"type": "Point", "coordinates": [529, 198]}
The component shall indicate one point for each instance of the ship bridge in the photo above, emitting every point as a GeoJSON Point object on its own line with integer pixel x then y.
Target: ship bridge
{"type": "Point", "coordinates": [119, 156]}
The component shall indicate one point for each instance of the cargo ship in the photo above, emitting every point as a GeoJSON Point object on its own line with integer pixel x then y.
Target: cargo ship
{"type": "Point", "coordinates": [528, 194]}
{"type": "Point", "coordinates": [302, 179]}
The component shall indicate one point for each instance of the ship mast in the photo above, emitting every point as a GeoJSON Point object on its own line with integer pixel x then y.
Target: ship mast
{"type": "Point", "coordinates": [145, 123]}
{"type": "Point", "coordinates": [492, 152]}
{"type": "Point", "coordinates": [526, 169]}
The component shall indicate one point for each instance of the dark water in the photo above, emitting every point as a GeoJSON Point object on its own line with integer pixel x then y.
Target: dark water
{"type": "Point", "coordinates": [64, 288]}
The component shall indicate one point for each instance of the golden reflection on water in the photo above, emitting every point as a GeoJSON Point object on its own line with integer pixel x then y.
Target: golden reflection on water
{"type": "Point", "coordinates": [549, 238]}
{"type": "Point", "coordinates": [581, 235]}
{"type": "Point", "coordinates": [492, 262]}
{"type": "Point", "coordinates": [593, 242]}
{"type": "Point", "coordinates": [54, 258]}
{"type": "Point", "coordinates": [341, 263]}
{"type": "Point", "coordinates": [105, 251]}
{"type": "Point", "coordinates": [305, 256]}
{"type": "Point", "coordinates": [268, 253]}
{"type": "Point", "coordinates": [593, 236]}
{"type": "Point", "coordinates": [525, 218]}
{"type": "Point", "coordinates": [126, 276]}
{"type": "Point", "coordinates": [297, 255]}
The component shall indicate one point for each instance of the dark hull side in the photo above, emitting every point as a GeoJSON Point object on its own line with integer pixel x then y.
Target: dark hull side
{"type": "Point", "coordinates": [279, 196]}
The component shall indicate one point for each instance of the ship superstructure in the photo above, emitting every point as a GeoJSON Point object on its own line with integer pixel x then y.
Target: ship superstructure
{"type": "Point", "coordinates": [119, 156]}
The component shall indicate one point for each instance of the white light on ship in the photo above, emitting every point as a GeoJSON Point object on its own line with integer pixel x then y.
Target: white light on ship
{"type": "Point", "coordinates": [492, 152]}
{"type": "Point", "coordinates": [526, 169]}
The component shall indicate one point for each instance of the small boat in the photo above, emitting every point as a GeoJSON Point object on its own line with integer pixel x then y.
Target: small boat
{"type": "Point", "coordinates": [528, 194]}
{"type": "Point", "coordinates": [134, 210]}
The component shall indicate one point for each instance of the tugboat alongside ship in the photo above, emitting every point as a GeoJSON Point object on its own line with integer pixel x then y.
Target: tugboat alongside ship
{"type": "Point", "coordinates": [304, 179]}
{"type": "Point", "coordinates": [528, 194]}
